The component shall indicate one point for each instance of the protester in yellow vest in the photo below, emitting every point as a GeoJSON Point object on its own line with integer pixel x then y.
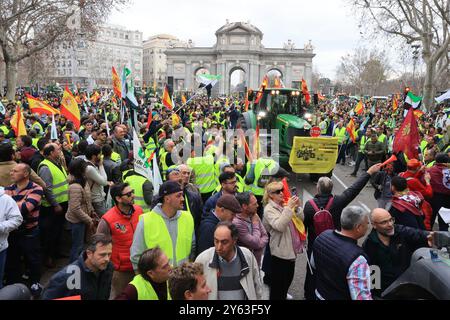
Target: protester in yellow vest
{"type": "Point", "coordinates": [258, 173]}
{"type": "Point", "coordinates": [143, 188]}
{"type": "Point", "coordinates": [203, 168]}
{"type": "Point", "coordinates": [55, 204]}
{"type": "Point", "coordinates": [152, 281]}
{"type": "Point", "coordinates": [166, 226]}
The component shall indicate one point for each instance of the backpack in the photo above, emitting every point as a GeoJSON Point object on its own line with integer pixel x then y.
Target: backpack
{"type": "Point", "coordinates": [322, 220]}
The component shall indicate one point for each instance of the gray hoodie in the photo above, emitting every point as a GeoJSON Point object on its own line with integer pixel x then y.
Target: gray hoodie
{"type": "Point", "coordinates": [10, 218]}
{"type": "Point", "coordinates": [139, 245]}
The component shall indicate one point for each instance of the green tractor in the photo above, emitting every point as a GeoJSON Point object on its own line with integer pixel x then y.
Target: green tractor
{"type": "Point", "coordinates": [280, 109]}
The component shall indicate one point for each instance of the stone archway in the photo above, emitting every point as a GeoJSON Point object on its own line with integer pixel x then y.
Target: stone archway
{"type": "Point", "coordinates": [273, 74]}
{"type": "Point", "coordinates": [237, 81]}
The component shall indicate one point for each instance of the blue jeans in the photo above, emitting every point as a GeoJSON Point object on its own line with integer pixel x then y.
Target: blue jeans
{"type": "Point", "coordinates": [2, 266]}
{"type": "Point", "coordinates": [78, 230]}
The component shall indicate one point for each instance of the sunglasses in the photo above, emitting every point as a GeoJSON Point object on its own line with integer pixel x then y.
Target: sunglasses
{"type": "Point", "coordinates": [129, 194]}
{"type": "Point", "coordinates": [277, 191]}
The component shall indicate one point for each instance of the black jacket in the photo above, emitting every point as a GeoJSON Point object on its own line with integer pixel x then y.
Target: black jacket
{"type": "Point", "coordinates": [195, 206]}
{"type": "Point", "coordinates": [92, 286]}
{"type": "Point", "coordinates": [206, 233]}
{"type": "Point", "coordinates": [394, 259]}
{"type": "Point", "coordinates": [36, 160]}
{"type": "Point", "coordinates": [339, 203]}
{"type": "Point", "coordinates": [378, 180]}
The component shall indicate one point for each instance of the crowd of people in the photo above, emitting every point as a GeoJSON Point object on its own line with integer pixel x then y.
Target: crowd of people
{"type": "Point", "coordinates": [217, 228]}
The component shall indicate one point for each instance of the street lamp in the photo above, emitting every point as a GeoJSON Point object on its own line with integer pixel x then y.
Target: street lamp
{"type": "Point", "coordinates": [415, 58]}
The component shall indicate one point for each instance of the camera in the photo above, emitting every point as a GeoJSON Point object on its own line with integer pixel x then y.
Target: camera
{"type": "Point", "coordinates": [441, 239]}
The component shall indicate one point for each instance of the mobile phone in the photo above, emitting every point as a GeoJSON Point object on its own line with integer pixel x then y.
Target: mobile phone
{"type": "Point", "coordinates": [294, 192]}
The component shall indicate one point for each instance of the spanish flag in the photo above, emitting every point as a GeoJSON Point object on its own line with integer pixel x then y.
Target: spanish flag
{"type": "Point", "coordinates": [95, 97]}
{"type": "Point", "coordinates": [166, 100]}
{"type": "Point", "coordinates": [394, 103]}
{"type": "Point", "coordinates": [418, 114]}
{"type": "Point", "coordinates": [359, 109]}
{"type": "Point", "coordinates": [351, 130]}
{"type": "Point", "coordinates": [40, 107]}
{"type": "Point", "coordinates": [264, 85]}
{"type": "Point", "coordinates": [18, 124]}
{"type": "Point", "coordinates": [69, 108]}
{"type": "Point", "coordinates": [117, 84]}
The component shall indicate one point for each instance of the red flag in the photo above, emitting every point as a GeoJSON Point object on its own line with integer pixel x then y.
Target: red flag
{"type": "Point", "coordinates": [305, 91]}
{"type": "Point", "coordinates": [407, 138]}
{"type": "Point", "coordinates": [286, 191]}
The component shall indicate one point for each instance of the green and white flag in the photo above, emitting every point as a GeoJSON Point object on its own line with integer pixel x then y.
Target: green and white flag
{"type": "Point", "coordinates": [2, 108]}
{"type": "Point", "coordinates": [141, 163]}
{"type": "Point", "coordinates": [413, 100]}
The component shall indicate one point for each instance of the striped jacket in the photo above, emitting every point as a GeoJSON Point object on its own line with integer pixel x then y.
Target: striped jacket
{"type": "Point", "coordinates": [29, 202]}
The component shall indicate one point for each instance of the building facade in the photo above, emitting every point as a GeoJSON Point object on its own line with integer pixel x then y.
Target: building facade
{"type": "Point", "coordinates": [155, 60]}
{"type": "Point", "coordinates": [238, 47]}
{"type": "Point", "coordinates": [88, 63]}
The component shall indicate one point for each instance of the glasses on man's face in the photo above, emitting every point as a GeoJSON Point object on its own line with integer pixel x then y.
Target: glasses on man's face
{"type": "Point", "coordinates": [386, 222]}
{"type": "Point", "coordinates": [277, 191]}
{"type": "Point", "coordinates": [129, 194]}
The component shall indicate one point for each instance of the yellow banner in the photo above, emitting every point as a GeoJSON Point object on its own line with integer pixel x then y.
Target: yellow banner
{"type": "Point", "coordinates": [313, 155]}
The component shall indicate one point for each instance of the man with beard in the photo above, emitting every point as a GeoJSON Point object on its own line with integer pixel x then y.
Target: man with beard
{"type": "Point", "coordinates": [166, 226]}
{"type": "Point", "coordinates": [192, 201]}
{"type": "Point", "coordinates": [94, 269]}
{"type": "Point", "coordinates": [391, 246]}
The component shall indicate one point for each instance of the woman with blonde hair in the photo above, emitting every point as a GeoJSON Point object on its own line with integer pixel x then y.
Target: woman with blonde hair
{"type": "Point", "coordinates": [284, 242]}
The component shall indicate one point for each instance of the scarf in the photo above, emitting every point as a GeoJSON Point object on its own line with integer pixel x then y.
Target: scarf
{"type": "Point", "coordinates": [410, 201]}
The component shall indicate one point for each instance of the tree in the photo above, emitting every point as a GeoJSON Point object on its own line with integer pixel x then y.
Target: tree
{"type": "Point", "coordinates": [29, 26]}
{"type": "Point", "coordinates": [363, 72]}
{"type": "Point", "coordinates": [425, 21]}
{"type": "Point", "coordinates": [375, 72]}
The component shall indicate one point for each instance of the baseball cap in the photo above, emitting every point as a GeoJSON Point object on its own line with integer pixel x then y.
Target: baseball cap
{"type": "Point", "coordinates": [169, 187]}
{"type": "Point", "coordinates": [229, 202]}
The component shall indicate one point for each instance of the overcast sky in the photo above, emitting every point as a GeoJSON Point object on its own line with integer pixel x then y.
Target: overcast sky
{"type": "Point", "coordinates": [328, 23]}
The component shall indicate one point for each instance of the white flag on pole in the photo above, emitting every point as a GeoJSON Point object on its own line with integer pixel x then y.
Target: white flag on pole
{"type": "Point", "coordinates": [141, 164]}
{"type": "Point", "coordinates": [106, 120]}
{"type": "Point", "coordinates": [157, 180]}
{"type": "Point", "coordinates": [54, 132]}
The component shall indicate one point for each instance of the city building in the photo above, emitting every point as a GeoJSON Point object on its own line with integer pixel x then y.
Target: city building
{"type": "Point", "coordinates": [155, 60]}
{"type": "Point", "coordinates": [87, 63]}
